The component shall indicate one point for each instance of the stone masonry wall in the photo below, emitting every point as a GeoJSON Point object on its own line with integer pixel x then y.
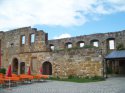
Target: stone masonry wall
{"type": "Point", "coordinates": [119, 37]}
{"type": "Point", "coordinates": [80, 62]}
{"type": "Point", "coordinates": [65, 62]}
{"type": "Point", "coordinates": [11, 43]}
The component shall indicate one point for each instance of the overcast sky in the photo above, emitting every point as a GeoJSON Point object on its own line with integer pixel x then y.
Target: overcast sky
{"type": "Point", "coordinates": [63, 18]}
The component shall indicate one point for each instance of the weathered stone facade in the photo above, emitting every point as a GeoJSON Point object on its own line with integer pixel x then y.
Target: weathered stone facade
{"type": "Point", "coordinates": [80, 62]}
{"type": "Point", "coordinates": [60, 62]}
{"type": "Point", "coordinates": [102, 38]}
{"type": "Point", "coordinates": [11, 45]}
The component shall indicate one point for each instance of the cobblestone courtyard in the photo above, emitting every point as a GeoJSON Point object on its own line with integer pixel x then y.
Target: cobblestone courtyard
{"type": "Point", "coordinates": [111, 85]}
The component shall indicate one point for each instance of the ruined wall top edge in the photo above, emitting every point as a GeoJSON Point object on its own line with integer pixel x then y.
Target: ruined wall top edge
{"type": "Point", "coordinates": [22, 29]}
{"type": "Point", "coordinates": [94, 35]}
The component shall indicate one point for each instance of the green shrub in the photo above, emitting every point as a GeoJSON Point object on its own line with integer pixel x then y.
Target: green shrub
{"type": "Point", "coordinates": [97, 78]}
{"type": "Point", "coordinates": [70, 77]}
{"type": "Point", "coordinates": [87, 77]}
{"type": "Point", "coordinates": [58, 77]}
{"type": "Point", "coordinates": [3, 70]}
{"type": "Point", "coordinates": [89, 46]}
{"type": "Point", "coordinates": [78, 79]}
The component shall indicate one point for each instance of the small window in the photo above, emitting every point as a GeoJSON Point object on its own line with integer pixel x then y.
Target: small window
{"type": "Point", "coordinates": [32, 38]}
{"type": "Point", "coordinates": [96, 44]}
{"type": "Point", "coordinates": [81, 44]}
{"type": "Point", "coordinates": [69, 46]}
{"type": "Point", "coordinates": [22, 39]}
{"type": "Point", "coordinates": [111, 44]}
{"type": "Point", "coordinates": [52, 47]}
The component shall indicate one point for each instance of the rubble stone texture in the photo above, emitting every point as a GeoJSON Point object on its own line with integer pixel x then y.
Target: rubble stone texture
{"type": "Point", "coordinates": [76, 61]}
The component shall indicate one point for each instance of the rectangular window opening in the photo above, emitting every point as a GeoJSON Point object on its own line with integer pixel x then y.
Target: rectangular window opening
{"type": "Point", "coordinates": [32, 38]}
{"type": "Point", "coordinates": [22, 40]}
{"type": "Point", "coordinates": [111, 44]}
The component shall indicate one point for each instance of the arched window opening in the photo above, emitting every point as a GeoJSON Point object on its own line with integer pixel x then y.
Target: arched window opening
{"type": "Point", "coordinates": [68, 45]}
{"type": "Point", "coordinates": [52, 47]}
{"type": "Point", "coordinates": [95, 43]}
{"type": "Point", "coordinates": [80, 44]}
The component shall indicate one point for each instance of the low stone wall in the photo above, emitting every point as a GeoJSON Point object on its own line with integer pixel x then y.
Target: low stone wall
{"type": "Point", "coordinates": [77, 69]}
{"type": "Point", "coordinates": [76, 62]}
{"type": "Point", "coordinates": [79, 62]}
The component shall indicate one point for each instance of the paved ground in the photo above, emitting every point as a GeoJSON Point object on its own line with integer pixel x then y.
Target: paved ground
{"type": "Point", "coordinates": [111, 85]}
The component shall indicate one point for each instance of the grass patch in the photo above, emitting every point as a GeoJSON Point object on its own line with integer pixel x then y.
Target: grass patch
{"type": "Point", "coordinates": [79, 79]}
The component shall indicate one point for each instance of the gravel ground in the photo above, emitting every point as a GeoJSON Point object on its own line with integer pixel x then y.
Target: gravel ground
{"type": "Point", "coordinates": [111, 85]}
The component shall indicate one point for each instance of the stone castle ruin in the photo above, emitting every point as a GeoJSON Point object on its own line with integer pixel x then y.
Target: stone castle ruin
{"type": "Point", "coordinates": [79, 56]}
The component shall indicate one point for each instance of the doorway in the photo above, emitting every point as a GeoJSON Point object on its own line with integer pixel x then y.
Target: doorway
{"type": "Point", "coordinates": [122, 67]}
{"type": "Point", "coordinates": [15, 66]}
{"type": "Point", "coordinates": [22, 67]}
{"type": "Point", "coordinates": [47, 68]}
